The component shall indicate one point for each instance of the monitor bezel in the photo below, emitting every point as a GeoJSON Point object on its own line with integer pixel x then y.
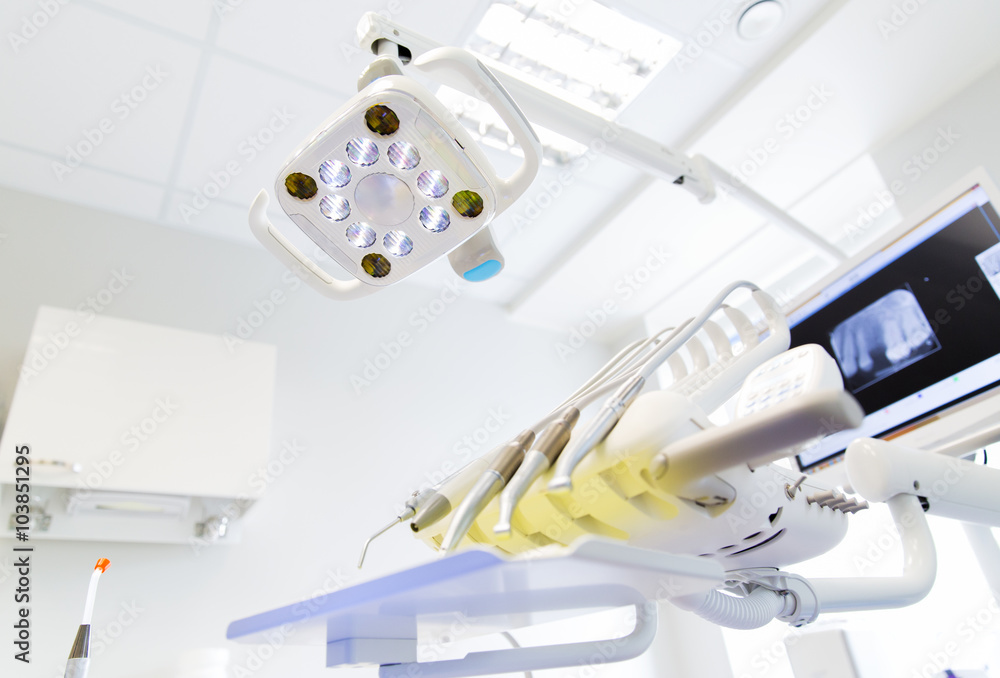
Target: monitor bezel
{"type": "Point", "coordinates": [942, 200]}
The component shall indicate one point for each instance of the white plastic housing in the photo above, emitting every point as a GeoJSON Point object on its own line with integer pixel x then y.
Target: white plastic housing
{"type": "Point", "coordinates": [953, 488]}
{"type": "Point", "coordinates": [442, 145]}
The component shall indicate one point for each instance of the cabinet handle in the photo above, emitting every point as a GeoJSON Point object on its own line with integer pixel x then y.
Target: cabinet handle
{"type": "Point", "coordinates": [57, 465]}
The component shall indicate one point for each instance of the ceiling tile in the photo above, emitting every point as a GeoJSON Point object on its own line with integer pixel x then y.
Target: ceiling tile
{"type": "Point", "coordinates": [825, 105]}
{"type": "Point", "coordinates": [317, 42]}
{"type": "Point", "coordinates": [188, 17]}
{"type": "Point", "coordinates": [114, 94]}
{"type": "Point", "coordinates": [661, 240]}
{"type": "Point", "coordinates": [676, 100]}
{"type": "Point", "coordinates": [727, 42]}
{"type": "Point", "coordinates": [32, 173]}
{"type": "Point", "coordinates": [560, 206]}
{"type": "Point", "coordinates": [246, 125]}
{"type": "Point", "coordinates": [215, 218]}
{"type": "Point", "coordinates": [851, 207]}
{"type": "Point", "coordinates": [713, 62]}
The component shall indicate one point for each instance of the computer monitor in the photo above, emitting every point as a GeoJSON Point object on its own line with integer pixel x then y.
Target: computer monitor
{"type": "Point", "coordinates": [914, 320]}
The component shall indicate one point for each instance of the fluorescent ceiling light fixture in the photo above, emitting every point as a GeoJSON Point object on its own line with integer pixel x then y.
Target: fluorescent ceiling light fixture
{"type": "Point", "coordinates": [586, 53]}
{"type": "Point", "coordinates": [485, 126]}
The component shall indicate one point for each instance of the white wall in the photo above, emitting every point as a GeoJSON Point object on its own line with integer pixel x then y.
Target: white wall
{"type": "Point", "coordinates": [958, 624]}
{"type": "Point", "coordinates": [960, 135]}
{"type": "Point", "coordinates": [364, 452]}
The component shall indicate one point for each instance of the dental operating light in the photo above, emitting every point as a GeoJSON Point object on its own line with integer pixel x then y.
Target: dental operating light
{"type": "Point", "coordinates": [392, 181]}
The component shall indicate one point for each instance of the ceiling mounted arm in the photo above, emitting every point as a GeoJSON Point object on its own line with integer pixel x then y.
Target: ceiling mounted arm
{"type": "Point", "coordinates": [695, 174]}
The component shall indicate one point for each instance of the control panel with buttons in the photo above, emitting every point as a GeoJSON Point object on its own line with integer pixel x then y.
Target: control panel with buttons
{"type": "Point", "coordinates": [803, 369]}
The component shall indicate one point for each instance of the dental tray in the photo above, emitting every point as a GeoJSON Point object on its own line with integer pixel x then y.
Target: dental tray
{"type": "Point", "coordinates": [377, 622]}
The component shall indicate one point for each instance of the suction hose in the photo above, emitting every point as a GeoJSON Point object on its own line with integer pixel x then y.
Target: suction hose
{"type": "Point", "coordinates": [735, 612]}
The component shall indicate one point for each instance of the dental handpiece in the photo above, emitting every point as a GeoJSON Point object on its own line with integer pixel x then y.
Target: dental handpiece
{"type": "Point", "coordinates": [492, 480]}
{"type": "Point", "coordinates": [433, 503]}
{"type": "Point", "coordinates": [451, 491]}
{"type": "Point", "coordinates": [545, 451]}
{"type": "Point", "coordinates": [410, 508]}
{"type": "Point", "coordinates": [597, 430]}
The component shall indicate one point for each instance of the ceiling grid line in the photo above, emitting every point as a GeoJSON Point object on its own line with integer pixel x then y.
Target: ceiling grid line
{"type": "Point", "coordinates": [188, 123]}
{"type": "Point", "coordinates": [57, 158]}
{"type": "Point", "coordinates": [209, 47]}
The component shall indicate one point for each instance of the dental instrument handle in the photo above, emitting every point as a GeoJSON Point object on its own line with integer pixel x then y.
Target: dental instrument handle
{"type": "Point", "coordinates": [548, 446]}
{"type": "Point", "coordinates": [554, 438]}
{"type": "Point", "coordinates": [79, 656]}
{"type": "Point", "coordinates": [500, 471]}
{"type": "Point", "coordinates": [77, 668]}
{"type": "Point", "coordinates": [535, 464]}
{"type": "Point", "coordinates": [510, 457]}
{"type": "Point", "coordinates": [451, 492]}
{"type": "Point", "coordinates": [479, 496]}
{"type": "Point", "coordinates": [599, 428]}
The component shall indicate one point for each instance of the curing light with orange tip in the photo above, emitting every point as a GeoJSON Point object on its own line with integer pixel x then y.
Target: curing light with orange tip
{"type": "Point", "coordinates": [79, 655]}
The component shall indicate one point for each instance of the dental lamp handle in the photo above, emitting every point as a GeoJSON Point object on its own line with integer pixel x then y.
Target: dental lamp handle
{"type": "Point", "coordinates": [292, 257]}
{"type": "Point", "coordinates": [476, 79]}
{"type": "Point", "coordinates": [477, 258]}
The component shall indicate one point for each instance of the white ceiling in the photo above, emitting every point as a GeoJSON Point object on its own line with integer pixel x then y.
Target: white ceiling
{"type": "Point", "coordinates": [229, 69]}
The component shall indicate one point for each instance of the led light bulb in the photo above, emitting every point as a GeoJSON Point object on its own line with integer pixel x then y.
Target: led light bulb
{"type": "Point", "coordinates": [334, 207]}
{"type": "Point", "coordinates": [397, 243]}
{"type": "Point", "coordinates": [404, 155]}
{"type": "Point", "coordinates": [467, 203]}
{"type": "Point", "coordinates": [361, 235]}
{"type": "Point", "coordinates": [432, 183]}
{"type": "Point", "coordinates": [382, 120]}
{"type": "Point", "coordinates": [362, 151]}
{"type": "Point", "coordinates": [376, 265]}
{"type": "Point", "coordinates": [301, 186]}
{"type": "Point", "coordinates": [334, 173]}
{"type": "Point", "coordinates": [434, 219]}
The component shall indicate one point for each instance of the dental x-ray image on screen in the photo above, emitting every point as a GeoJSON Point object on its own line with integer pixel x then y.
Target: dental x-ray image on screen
{"type": "Point", "coordinates": [989, 262]}
{"type": "Point", "coordinates": [882, 339]}
{"type": "Point", "coordinates": [912, 320]}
